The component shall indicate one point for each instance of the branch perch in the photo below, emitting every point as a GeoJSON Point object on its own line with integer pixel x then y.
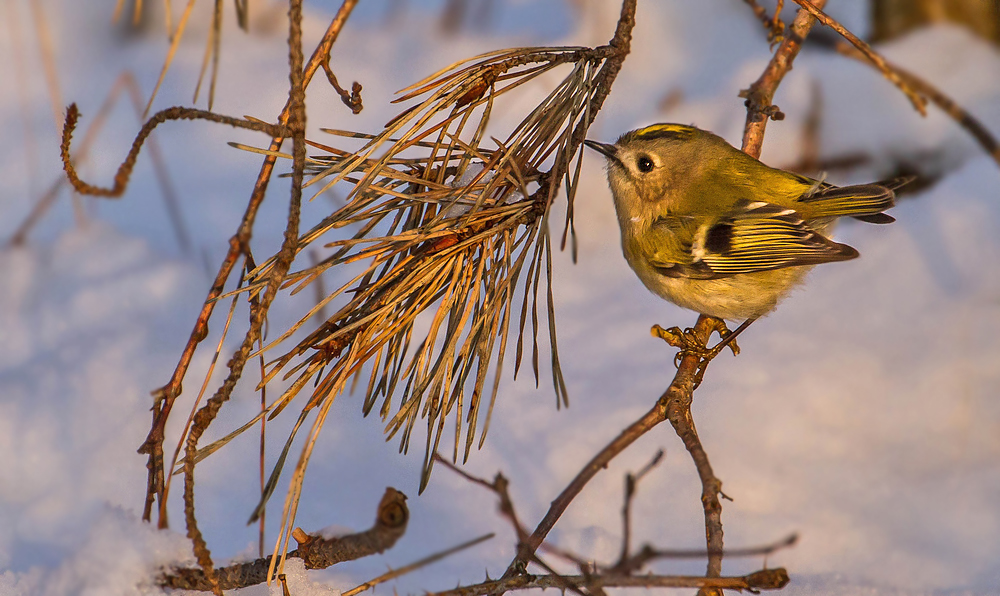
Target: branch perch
{"type": "Point", "coordinates": [669, 406]}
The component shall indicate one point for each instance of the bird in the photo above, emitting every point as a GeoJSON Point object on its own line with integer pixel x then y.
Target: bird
{"type": "Point", "coordinates": [712, 229]}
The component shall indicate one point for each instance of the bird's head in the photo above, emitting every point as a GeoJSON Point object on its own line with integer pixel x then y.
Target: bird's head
{"type": "Point", "coordinates": [644, 165]}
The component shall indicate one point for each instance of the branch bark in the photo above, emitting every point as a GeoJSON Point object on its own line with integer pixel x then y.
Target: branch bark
{"type": "Point", "coordinates": [760, 94]}
{"type": "Point", "coordinates": [317, 552]}
{"type": "Point", "coordinates": [767, 579]}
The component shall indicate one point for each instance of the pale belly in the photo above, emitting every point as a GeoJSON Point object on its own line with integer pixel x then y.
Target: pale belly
{"type": "Point", "coordinates": [736, 298]}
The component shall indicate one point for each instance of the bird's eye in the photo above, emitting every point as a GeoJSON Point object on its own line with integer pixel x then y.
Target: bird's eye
{"type": "Point", "coordinates": [645, 164]}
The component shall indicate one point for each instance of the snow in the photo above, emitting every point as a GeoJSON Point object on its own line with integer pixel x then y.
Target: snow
{"type": "Point", "coordinates": [861, 415]}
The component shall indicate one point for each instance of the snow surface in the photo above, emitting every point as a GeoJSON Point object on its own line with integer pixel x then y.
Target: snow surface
{"type": "Point", "coordinates": [862, 415]}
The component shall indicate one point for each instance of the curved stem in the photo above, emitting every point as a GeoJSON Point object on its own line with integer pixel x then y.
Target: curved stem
{"type": "Point", "coordinates": [674, 404]}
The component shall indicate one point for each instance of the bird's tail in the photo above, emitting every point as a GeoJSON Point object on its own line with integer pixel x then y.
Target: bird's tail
{"type": "Point", "coordinates": [863, 201]}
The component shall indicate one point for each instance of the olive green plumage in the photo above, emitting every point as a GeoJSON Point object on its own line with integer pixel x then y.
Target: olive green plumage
{"type": "Point", "coordinates": [712, 229]}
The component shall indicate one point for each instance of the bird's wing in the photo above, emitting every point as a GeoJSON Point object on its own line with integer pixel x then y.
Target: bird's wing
{"type": "Point", "coordinates": [754, 237]}
{"type": "Point", "coordinates": [668, 247]}
{"type": "Point", "coordinates": [761, 237]}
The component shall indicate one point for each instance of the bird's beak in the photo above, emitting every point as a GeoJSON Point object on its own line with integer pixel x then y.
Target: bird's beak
{"type": "Point", "coordinates": [606, 149]}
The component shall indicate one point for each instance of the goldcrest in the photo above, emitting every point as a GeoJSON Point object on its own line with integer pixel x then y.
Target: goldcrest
{"type": "Point", "coordinates": [712, 229]}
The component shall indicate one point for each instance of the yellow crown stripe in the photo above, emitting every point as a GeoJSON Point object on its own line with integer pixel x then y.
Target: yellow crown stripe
{"type": "Point", "coordinates": [660, 130]}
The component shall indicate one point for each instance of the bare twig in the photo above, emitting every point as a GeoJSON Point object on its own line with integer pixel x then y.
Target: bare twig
{"type": "Point", "coordinates": [626, 565]}
{"type": "Point", "coordinates": [416, 565]}
{"type": "Point", "coordinates": [668, 406]}
{"type": "Point", "coordinates": [205, 416]}
{"type": "Point", "coordinates": [499, 486]}
{"type": "Point", "coordinates": [315, 551]}
{"type": "Point", "coordinates": [760, 94]}
{"type": "Point", "coordinates": [197, 402]}
{"type": "Point", "coordinates": [631, 483]}
{"type": "Point", "coordinates": [649, 553]}
{"type": "Point", "coordinates": [125, 169]}
{"type": "Point", "coordinates": [916, 98]}
{"type": "Point", "coordinates": [126, 82]}
{"type": "Point", "coordinates": [767, 579]}
{"type": "Point", "coordinates": [774, 25]}
{"type": "Point", "coordinates": [165, 396]}
{"type": "Point", "coordinates": [352, 99]}
{"type": "Point", "coordinates": [678, 406]}
{"type": "Point", "coordinates": [957, 113]}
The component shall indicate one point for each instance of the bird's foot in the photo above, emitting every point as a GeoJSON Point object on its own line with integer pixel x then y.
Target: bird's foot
{"type": "Point", "coordinates": [684, 340]}
{"type": "Point", "coordinates": [727, 337]}
{"type": "Point", "coordinates": [688, 343]}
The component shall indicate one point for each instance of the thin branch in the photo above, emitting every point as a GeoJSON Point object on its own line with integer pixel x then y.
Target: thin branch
{"type": "Point", "coordinates": [767, 579]}
{"type": "Point", "coordinates": [918, 100]}
{"type": "Point", "coordinates": [760, 94]}
{"type": "Point", "coordinates": [416, 565]}
{"type": "Point", "coordinates": [774, 25]}
{"type": "Point", "coordinates": [289, 245]}
{"type": "Point", "coordinates": [352, 99]}
{"type": "Point", "coordinates": [631, 484]}
{"type": "Point", "coordinates": [125, 169]}
{"type": "Point", "coordinates": [668, 405]}
{"type": "Point", "coordinates": [678, 406]}
{"type": "Point", "coordinates": [949, 106]}
{"type": "Point", "coordinates": [165, 396]}
{"type": "Point", "coordinates": [499, 487]}
{"type": "Point", "coordinates": [649, 553]}
{"type": "Point", "coordinates": [125, 82]}
{"type": "Point", "coordinates": [316, 552]}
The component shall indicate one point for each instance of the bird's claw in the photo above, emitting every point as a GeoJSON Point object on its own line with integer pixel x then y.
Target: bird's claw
{"type": "Point", "coordinates": [687, 343]}
{"type": "Point", "coordinates": [724, 333]}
